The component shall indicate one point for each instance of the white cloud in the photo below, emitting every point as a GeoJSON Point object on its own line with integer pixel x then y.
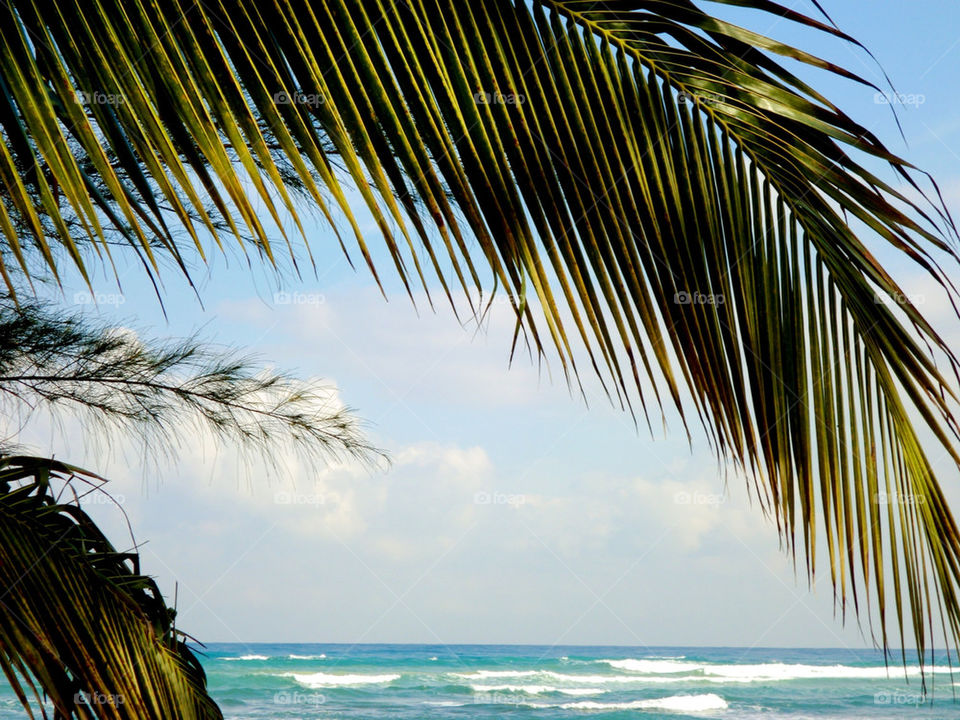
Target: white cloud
{"type": "Point", "coordinates": [412, 356]}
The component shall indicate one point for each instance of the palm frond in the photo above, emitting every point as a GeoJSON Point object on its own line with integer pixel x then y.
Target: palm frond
{"type": "Point", "coordinates": [648, 183]}
{"type": "Point", "coordinates": [79, 624]}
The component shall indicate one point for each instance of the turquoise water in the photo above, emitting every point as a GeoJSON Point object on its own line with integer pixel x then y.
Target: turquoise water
{"type": "Point", "coordinates": [543, 683]}
{"type": "Point", "coordinates": [354, 682]}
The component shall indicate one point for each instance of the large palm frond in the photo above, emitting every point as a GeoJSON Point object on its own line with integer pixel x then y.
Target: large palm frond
{"type": "Point", "coordinates": [79, 624]}
{"type": "Point", "coordinates": [645, 180]}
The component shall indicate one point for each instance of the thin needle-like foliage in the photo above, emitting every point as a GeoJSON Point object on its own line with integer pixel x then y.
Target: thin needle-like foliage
{"type": "Point", "coordinates": [166, 393]}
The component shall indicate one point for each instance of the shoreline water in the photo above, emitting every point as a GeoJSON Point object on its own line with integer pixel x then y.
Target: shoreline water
{"type": "Point", "coordinates": [350, 682]}
{"type": "Point", "coordinates": [296, 681]}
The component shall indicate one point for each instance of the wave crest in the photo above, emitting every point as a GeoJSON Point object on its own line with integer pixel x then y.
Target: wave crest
{"type": "Point", "coordinates": [679, 703]}
{"type": "Point", "coordinates": [762, 672]}
{"type": "Point", "coordinates": [322, 680]}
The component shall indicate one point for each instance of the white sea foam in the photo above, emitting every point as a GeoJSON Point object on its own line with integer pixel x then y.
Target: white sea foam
{"type": "Point", "coordinates": [580, 691]}
{"type": "Point", "coordinates": [322, 680]}
{"type": "Point", "coordinates": [249, 657]}
{"type": "Point", "coordinates": [654, 667]}
{"type": "Point", "coordinates": [549, 675]}
{"type": "Point", "coordinates": [536, 689]}
{"type": "Point", "coordinates": [484, 674]}
{"type": "Point", "coordinates": [665, 671]}
{"type": "Point", "coordinates": [308, 657]}
{"type": "Point", "coordinates": [679, 703]}
{"type": "Point", "coordinates": [764, 672]}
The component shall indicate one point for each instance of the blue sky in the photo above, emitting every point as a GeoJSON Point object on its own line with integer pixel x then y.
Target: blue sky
{"type": "Point", "coordinates": [593, 532]}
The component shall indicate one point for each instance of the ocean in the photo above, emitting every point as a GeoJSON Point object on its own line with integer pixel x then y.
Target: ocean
{"type": "Point", "coordinates": [467, 682]}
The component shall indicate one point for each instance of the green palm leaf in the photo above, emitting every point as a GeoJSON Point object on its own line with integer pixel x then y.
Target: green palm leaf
{"type": "Point", "coordinates": [77, 618]}
{"type": "Point", "coordinates": [646, 182]}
